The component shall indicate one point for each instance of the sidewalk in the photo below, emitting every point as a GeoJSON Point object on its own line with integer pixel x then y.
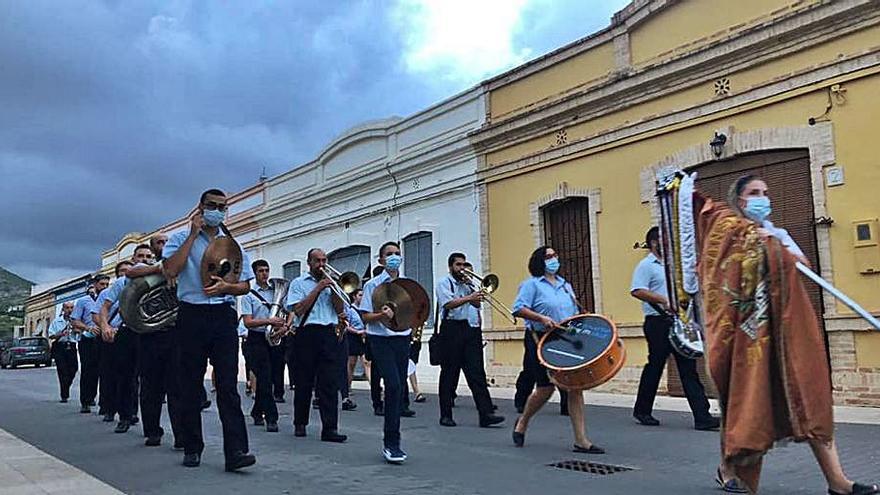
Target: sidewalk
{"type": "Point", "coordinates": [26, 470]}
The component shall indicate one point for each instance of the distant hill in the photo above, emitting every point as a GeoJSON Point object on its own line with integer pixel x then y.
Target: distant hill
{"type": "Point", "coordinates": [14, 290]}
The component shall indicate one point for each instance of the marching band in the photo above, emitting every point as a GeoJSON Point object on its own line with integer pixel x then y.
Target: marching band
{"type": "Point", "coordinates": [156, 326]}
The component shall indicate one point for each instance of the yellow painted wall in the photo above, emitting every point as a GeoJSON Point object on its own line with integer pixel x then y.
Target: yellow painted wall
{"type": "Point", "coordinates": [549, 83]}
{"type": "Point", "coordinates": [624, 218]}
{"type": "Point", "coordinates": [693, 21]}
{"type": "Point", "coordinates": [868, 349]}
{"type": "Point", "coordinates": [696, 95]}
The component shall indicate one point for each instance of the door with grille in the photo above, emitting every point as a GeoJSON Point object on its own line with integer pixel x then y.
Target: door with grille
{"type": "Point", "coordinates": [787, 174]}
{"type": "Point", "coordinates": [567, 230]}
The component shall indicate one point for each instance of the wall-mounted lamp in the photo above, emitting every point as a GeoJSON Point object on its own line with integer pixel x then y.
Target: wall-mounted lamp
{"type": "Point", "coordinates": [823, 221]}
{"type": "Point", "coordinates": [717, 144]}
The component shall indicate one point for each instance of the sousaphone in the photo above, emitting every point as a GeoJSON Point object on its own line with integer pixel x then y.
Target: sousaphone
{"type": "Point", "coordinates": [407, 299]}
{"type": "Point", "coordinates": [148, 304]}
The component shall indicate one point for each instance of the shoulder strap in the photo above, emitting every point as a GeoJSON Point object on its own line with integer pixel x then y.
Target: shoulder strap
{"type": "Point", "coordinates": [261, 298]}
{"type": "Point", "coordinates": [570, 291]}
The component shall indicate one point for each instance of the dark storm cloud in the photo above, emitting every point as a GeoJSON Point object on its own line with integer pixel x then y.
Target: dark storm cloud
{"type": "Point", "coordinates": [114, 115]}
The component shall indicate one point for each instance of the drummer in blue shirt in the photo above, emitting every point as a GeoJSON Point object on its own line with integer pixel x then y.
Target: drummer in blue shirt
{"type": "Point", "coordinates": [206, 328]}
{"type": "Point", "coordinates": [544, 300]}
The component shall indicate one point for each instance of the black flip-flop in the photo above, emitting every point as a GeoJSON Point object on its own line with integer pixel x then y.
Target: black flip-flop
{"type": "Point", "coordinates": [859, 489]}
{"type": "Point", "coordinates": [733, 485]}
{"type": "Point", "coordinates": [594, 449]}
{"type": "Point", "coordinates": [519, 439]}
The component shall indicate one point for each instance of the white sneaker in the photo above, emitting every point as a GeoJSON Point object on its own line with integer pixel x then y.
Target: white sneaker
{"type": "Point", "coordinates": [394, 455]}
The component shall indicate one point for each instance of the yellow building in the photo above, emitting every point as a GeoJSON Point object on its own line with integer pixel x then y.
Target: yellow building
{"type": "Point", "coordinates": [573, 142]}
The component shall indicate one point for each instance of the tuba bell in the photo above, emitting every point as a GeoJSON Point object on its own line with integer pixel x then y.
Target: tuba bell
{"type": "Point", "coordinates": [280, 287]}
{"type": "Point", "coordinates": [148, 304]}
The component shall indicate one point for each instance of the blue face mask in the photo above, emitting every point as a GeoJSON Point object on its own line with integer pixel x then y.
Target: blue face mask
{"type": "Point", "coordinates": [393, 262]}
{"type": "Point", "coordinates": [213, 217]}
{"type": "Point", "coordinates": [758, 208]}
{"type": "Point", "coordinates": [551, 266]}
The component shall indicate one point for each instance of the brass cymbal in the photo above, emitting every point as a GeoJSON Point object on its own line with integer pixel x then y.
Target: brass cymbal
{"type": "Point", "coordinates": [408, 300]}
{"type": "Point", "coordinates": [223, 259]}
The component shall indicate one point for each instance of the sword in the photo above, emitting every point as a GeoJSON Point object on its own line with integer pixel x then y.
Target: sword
{"type": "Point", "coordinates": [834, 291]}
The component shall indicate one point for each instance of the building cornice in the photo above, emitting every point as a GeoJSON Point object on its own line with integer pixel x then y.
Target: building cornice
{"type": "Point", "coordinates": [794, 31]}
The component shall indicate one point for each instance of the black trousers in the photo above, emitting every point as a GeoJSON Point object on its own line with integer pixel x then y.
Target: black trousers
{"type": "Point", "coordinates": [66, 365]}
{"type": "Point", "coordinates": [316, 366]}
{"type": "Point", "coordinates": [125, 365]}
{"type": "Point", "coordinates": [656, 329]}
{"type": "Point", "coordinates": [277, 360]}
{"type": "Point", "coordinates": [260, 356]}
{"type": "Point", "coordinates": [108, 378]}
{"type": "Point", "coordinates": [376, 382]}
{"type": "Point", "coordinates": [462, 352]}
{"type": "Point", "coordinates": [209, 331]}
{"type": "Point", "coordinates": [391, 361]}
{"type": "Point", "coordinates": [90, 361]}
{"type": "Point", "coordinates": [526, 381]}
{"type": "Point", "coordinates": [159, 360]}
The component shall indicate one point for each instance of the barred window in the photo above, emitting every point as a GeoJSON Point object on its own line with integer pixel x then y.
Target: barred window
{"type": "Point", "coordinates": [419, 264]}
{"type": "Point", "coordinates": [292, 269]}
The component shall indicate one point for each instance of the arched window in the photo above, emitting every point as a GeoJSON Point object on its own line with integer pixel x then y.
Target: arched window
{"type": "Point", "coordinates": [418, 255]}
{"type": "Point", "coordinates": [292, 269]}
{"type": "Point", "coordinates": [351, 259]}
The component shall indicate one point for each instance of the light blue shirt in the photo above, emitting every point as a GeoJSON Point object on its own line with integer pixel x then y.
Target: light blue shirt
{"type": "Point", "coordinates": [322, 312]}
{"type": "Point", "coordinates": [82, 312]}
{"type": "Point", "coordinates": [58, 325]}
{"type": "Point", "coordinates": [448, 288]}
{"type": "Point", "coordinates": [649, 275]}
{"type": "Point", "coordinates": [541, 296]}
{"type": "Point", "coordinates": [111, 294]}
{"type": "Point", "coordinates": [252, 306]}
{"type": "Point", "coordinates": [474, 318]}
{"type": "Point", "coordinates": [189, 280]}
{"type": "Point", "coordinates": [377, 328]}
{"type": "Point", "coordinates": [354, 318]}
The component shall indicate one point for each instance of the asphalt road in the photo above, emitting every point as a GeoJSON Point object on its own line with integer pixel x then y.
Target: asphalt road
{"type": "Point", "coordinates": [464, 460]}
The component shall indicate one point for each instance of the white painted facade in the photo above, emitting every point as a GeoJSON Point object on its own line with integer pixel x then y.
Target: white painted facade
{"type": "Point", "coordinates": [383, 180]}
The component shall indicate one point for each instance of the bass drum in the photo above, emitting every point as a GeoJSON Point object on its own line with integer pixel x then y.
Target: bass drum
{"type": "Point", "coordinates": [585, 353]}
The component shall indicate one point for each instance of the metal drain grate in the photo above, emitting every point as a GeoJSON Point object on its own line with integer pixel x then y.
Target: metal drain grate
{"type": "Point", "coordinates": [590, 467]}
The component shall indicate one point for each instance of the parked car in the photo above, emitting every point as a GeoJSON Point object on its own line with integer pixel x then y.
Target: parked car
{"type": "Point", "coordinates": [27, 350]}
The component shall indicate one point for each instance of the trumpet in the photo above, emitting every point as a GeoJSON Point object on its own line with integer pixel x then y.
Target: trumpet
{"type": "Point", "coordinates": [344, 283]}
{"type": "Point", "coordinates": [488, 284]}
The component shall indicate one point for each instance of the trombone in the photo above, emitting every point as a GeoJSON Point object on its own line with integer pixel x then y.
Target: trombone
{"type": "Point", "coordinates": [343, 283]}
{"type": "Point", "coordinates": [488, 284]}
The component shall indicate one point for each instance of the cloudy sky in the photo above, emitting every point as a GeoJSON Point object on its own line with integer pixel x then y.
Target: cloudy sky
{"type": "Point", "coordinates": [115, 114]}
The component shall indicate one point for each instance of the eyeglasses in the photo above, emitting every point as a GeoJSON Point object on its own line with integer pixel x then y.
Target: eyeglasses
{"type": "Point", "coordinates": [214, 206]}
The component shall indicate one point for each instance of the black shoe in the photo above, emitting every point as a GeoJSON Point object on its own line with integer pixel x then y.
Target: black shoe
{"type": "Point", "coordinates": [710, 424]}
{"type": "Point", "coordinates": [240, 460]}
{"type": "Point", "coordinates": [178, 445]}
{"type": "Point", "coordinates": [348, 405]}
{"type": "Point", "coordinates": [859, 489]}
{"type": "Point", "coordinates": [519, 409]}
{"type": "Point", "coordinates": [646, 419]}
{"type": "Point", "coordinates": [192, 460]}
{"type": "Point", "coordinates": [446, 421]}
{"type": "Point", "coordinates": [407, 413]}
{"type": "Point", "coordinates": [134, 420]}
{"type": "Point", "coordinates": [494, 407]}
{"type": "Point", "coordinates": [63, 401]}
{"type": "Point", "coordinates": [280, 400]}
{"type": "Point", "coordinates": [487, 421]}
{"type": "Point", "coordinates": [109, 418]}
{"type": "Point", "coordinates": [122, 427]}
{"type": "Point", "coordinates": [420, 398]}
{"type": "Point", "coordinates": [592, 449]}
{"type": "Point", "coordinates": [153, 441]}
{"type": "Point", "coordinates": [333, 436]}
{"type": "Point", "coordinates": [206, 405]}
{"type": "Point", "coordinates": [519, 439]}
{"type": "Point", "coordinates": [85, 410]}
{"type": "Point", "coordinates": [563, 412]}
{"type": "Point", "coordinates": [379, 410]}
{"type": "Point", "coordinates": [259, 421]}
{"type": "Point", "coordinates": [299, 430]}
{"type": "Point", "coordinates": [272, 426]}
{"type": "Point", "coordinates": [316, 404]}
